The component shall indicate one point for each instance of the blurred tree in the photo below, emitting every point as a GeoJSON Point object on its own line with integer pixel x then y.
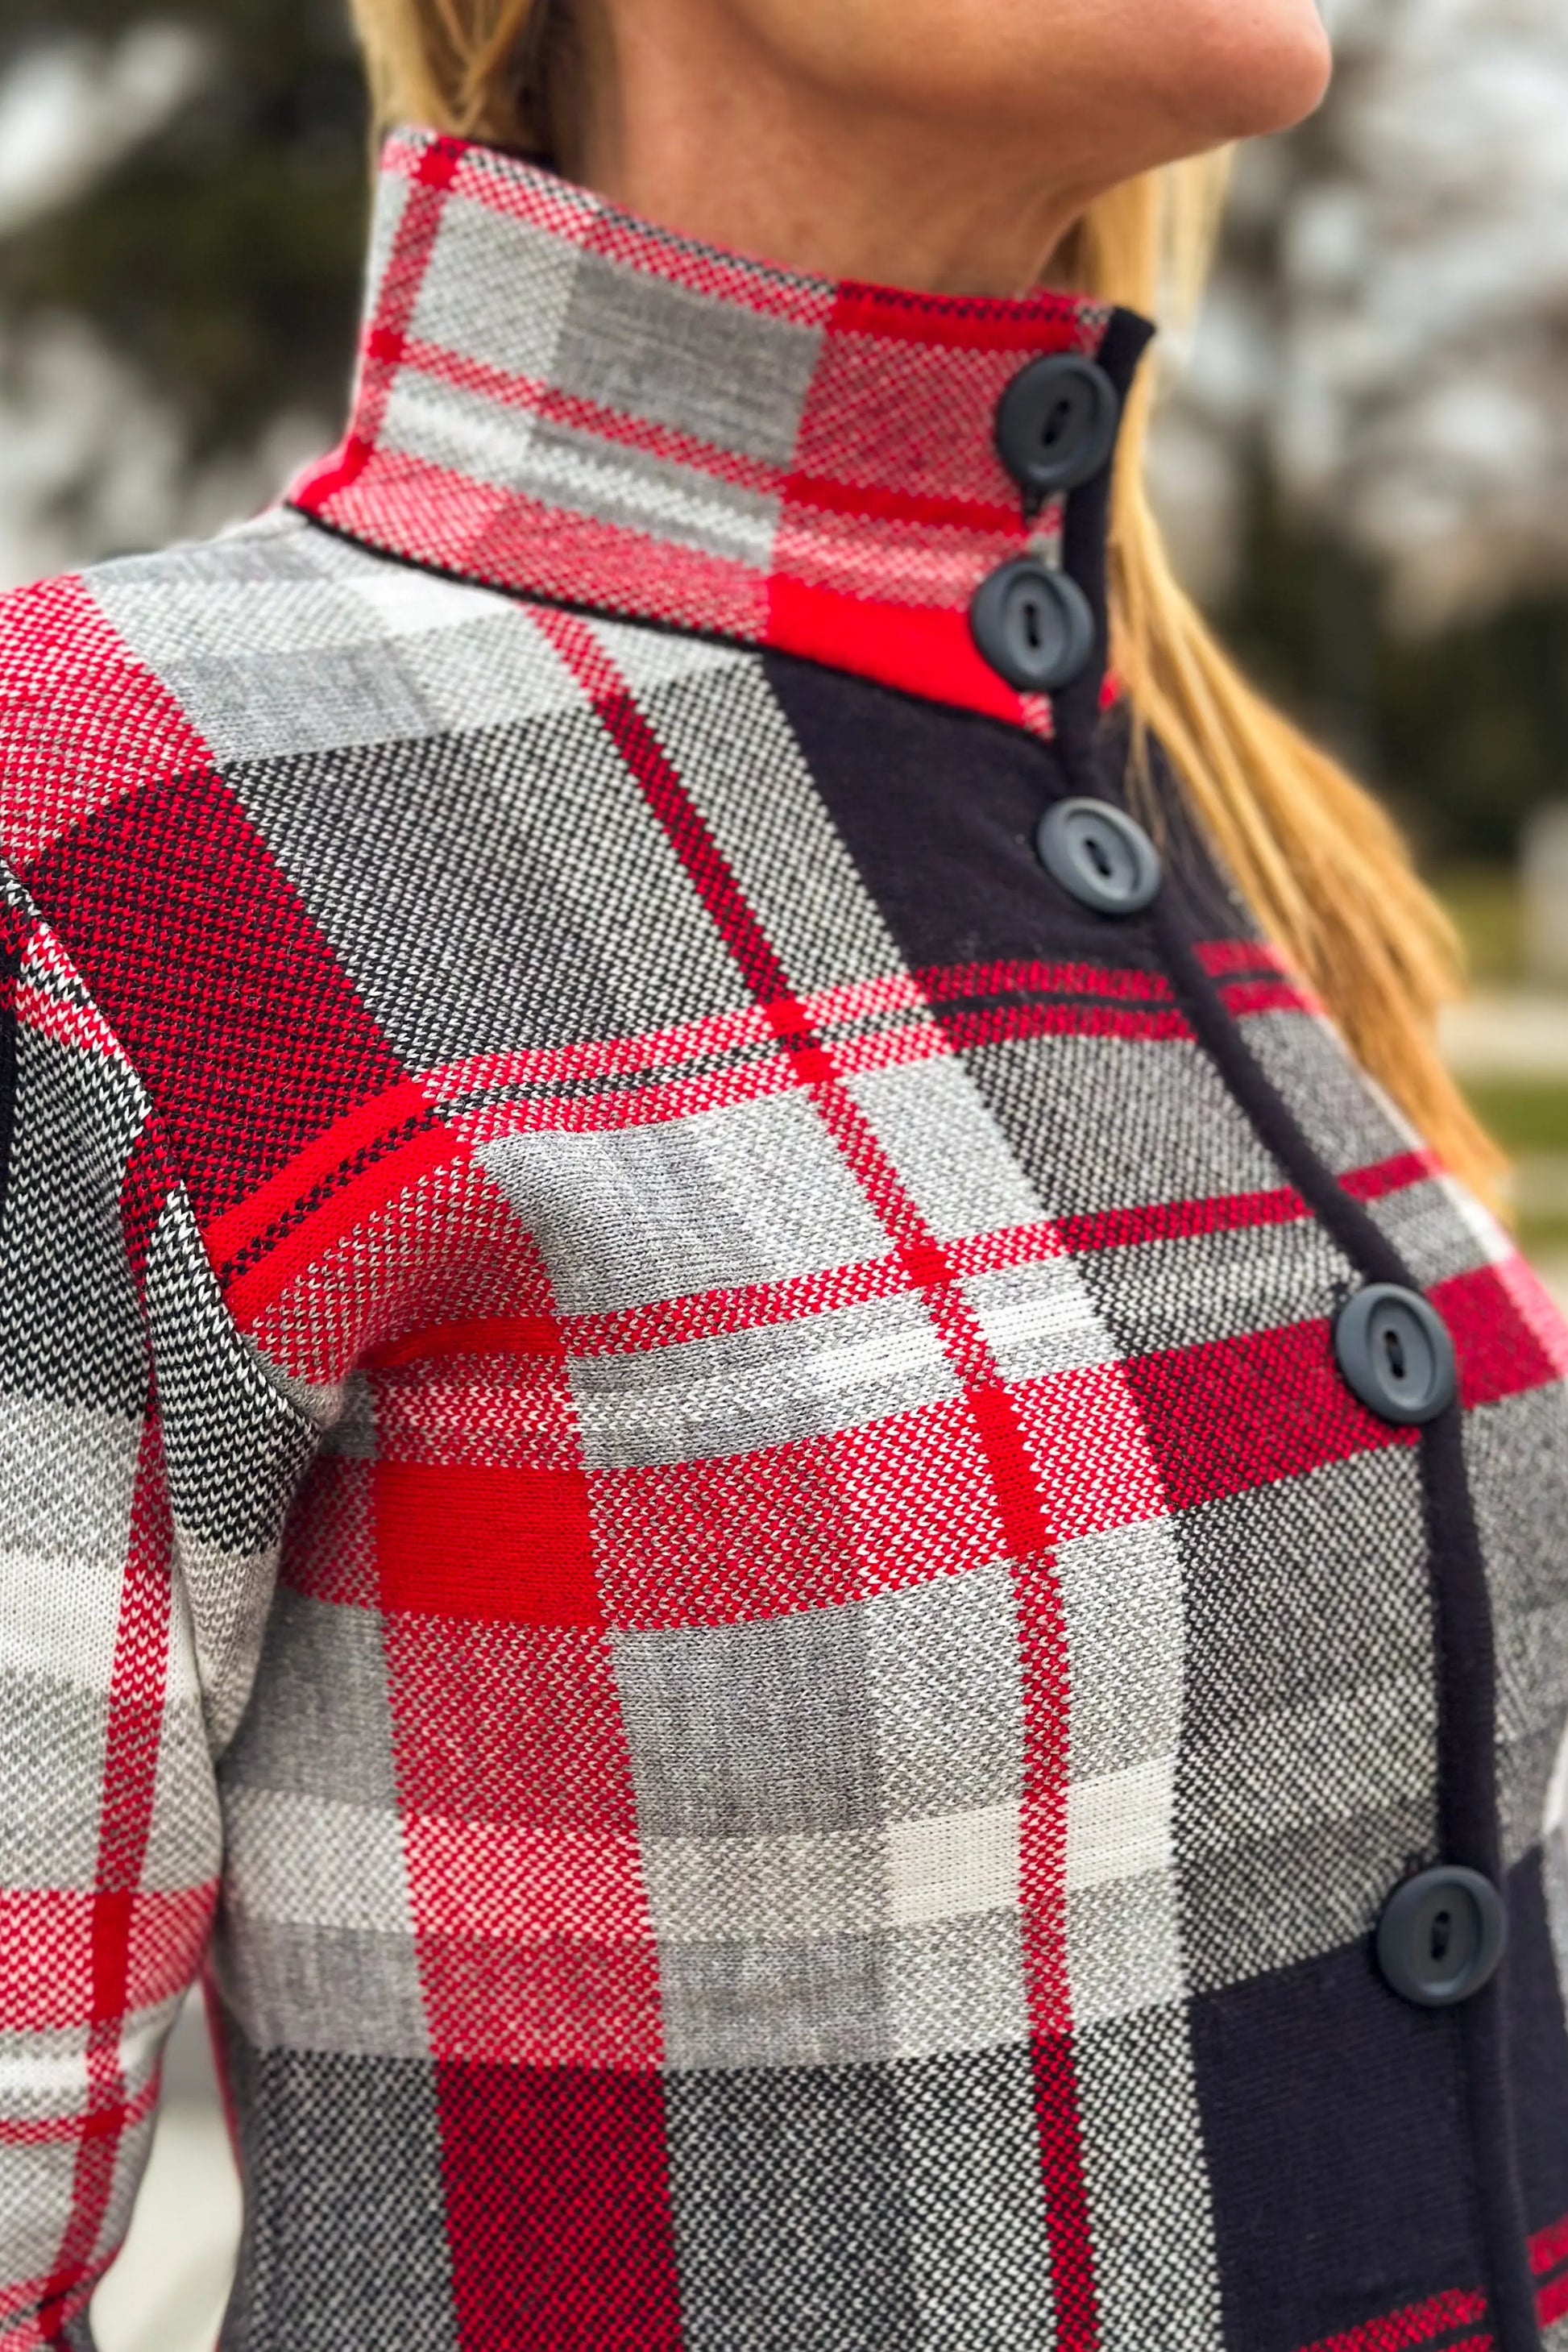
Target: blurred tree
{"type": "Point", "coordinates": [181, 206]}
{"type": "Point", "coordinates": [1389, 325]}
{"type": "Point", "coordinates": [1365, 461]}
{"type": "Point", "coordinates": [1463, 730]}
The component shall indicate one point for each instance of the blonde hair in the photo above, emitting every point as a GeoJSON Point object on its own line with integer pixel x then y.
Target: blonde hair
{"type": "Point", "coordinates": [1320, 862]}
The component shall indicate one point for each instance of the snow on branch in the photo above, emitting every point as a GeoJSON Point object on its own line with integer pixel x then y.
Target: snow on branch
{"type": "Point", "coordinates": [1389, 330]}
{"type": "Point", "coordinates": [72, 110]}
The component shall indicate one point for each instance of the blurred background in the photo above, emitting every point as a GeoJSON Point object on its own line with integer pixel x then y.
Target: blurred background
{"type": "Point", "coordinates": [1363, 464]}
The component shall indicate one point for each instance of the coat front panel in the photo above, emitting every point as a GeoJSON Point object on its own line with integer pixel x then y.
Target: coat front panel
{"type": "Point", "coordinates": [675, 1479]}
{"type": "Point", "coordinates": [847, 1684]}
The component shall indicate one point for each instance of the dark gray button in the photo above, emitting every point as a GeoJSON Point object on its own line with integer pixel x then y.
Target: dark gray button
{"type": "Point", "coordinates": [1442, 1935]}
{"type": "Point", "coordinates": [1395, 1353]}
{"type": "Point", "coordinates": [1035, 627]}
{"type": "Point", "coordinates": [1100, 856]}
{"type": "Point", "coordinates": [1055, 423]}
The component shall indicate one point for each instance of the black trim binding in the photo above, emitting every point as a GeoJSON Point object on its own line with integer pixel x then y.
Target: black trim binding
{"type": "Point", "coordinates": [1466, 1651]}
{"type": "Point", "coordinates": [10, 975]}
{"type": "Point", "coordinates": [1085, 538]}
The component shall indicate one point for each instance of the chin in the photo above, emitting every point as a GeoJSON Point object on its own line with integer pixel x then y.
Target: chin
{"type": "Point", "coordinates": [1262, 73]}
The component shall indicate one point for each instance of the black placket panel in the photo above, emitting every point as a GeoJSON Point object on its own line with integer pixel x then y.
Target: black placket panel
{"type": "Point", "coordinates": [10, 974]}
{"type": "Point", "coordinates": [939, 812]}
{"type": "Point", "coordinates": [1466, 1653]}
{"type": "Point", "coordinates": [1533, 1997]}
{"type": "Point", "coordinates": [937, 809]}
{"type": "Point", "coordinates": [1086, 538]}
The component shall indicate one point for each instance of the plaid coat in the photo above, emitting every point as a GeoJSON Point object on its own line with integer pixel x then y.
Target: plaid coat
{"type": "Point", "coordinates": [674, 1477]}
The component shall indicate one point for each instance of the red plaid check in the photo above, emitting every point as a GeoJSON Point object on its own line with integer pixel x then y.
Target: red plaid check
{"type": "Point", "coordinates": [673, 1471]}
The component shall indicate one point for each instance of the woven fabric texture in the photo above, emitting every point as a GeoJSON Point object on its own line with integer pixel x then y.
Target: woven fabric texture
{"type": "Point", "coordinates": [673, 1478]}
{"type": "Point", "coordinates": [815, 463]}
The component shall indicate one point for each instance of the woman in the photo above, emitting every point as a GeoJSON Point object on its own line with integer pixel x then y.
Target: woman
{"type": "Point", "coordinates": [823, 1562]}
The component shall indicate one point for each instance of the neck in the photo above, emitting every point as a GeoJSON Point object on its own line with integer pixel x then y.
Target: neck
{"type": "Point", "coordinates": [806, 176]}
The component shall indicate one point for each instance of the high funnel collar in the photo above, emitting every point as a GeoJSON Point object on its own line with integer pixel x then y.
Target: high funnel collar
{"type": "Point", "coordinates": [559, 399]}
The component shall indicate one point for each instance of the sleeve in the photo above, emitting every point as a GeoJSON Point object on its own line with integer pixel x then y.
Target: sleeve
{"type": "Point", "coordinates": [147, 1459]}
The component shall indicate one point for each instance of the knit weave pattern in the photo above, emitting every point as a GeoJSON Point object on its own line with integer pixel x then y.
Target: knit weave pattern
{"type": "Point", "coordinates": [671, 1474]}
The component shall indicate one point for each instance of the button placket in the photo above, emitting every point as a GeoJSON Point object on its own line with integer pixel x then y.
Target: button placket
{"type": "Point", "coordinates": [1442, 1937]}
{"type": "Point", "coordinates": [1055, 429]}
{"type": "Point", "coordinates": [1100, 856]}
{"type": "Point", "coordinates": [1034, 625]}
{"type": "Point", "coordinates": [1395, 1353]}
{"type": "Point", "coordinates": [1057, 423]}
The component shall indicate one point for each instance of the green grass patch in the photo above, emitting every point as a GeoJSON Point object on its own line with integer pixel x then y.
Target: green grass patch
{"type": "Point", "coordinates": [1524, 1114]}
{"type": "Point", "coordinates": [1483, 901]}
